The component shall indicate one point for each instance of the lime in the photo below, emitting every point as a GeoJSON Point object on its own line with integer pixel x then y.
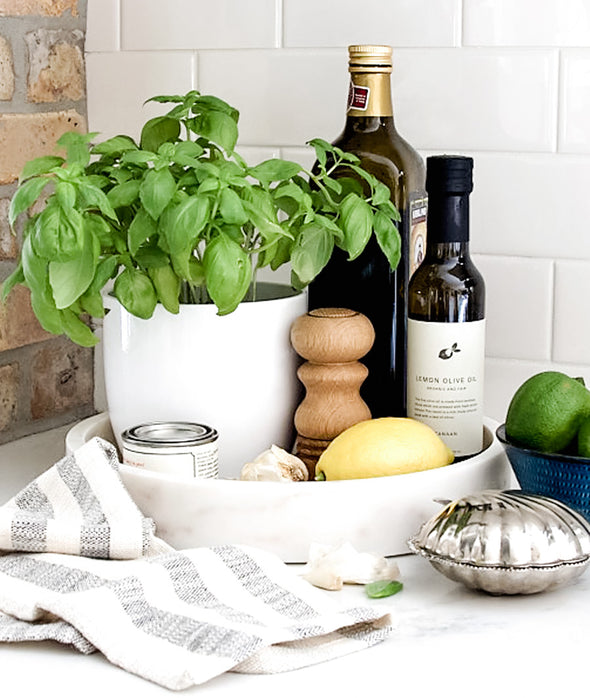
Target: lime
{"type": "Point", "coordinates": [547, 411]}
{"type": "Point", "coordinates": [584, 439]}
{"type": "Point", "coordinates": [385, 446]}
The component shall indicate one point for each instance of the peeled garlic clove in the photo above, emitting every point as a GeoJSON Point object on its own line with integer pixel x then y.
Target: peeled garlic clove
{"type": "Point", "coordinates": [329, 567]}
{"type": "Point", "coordinates": [275, 465]}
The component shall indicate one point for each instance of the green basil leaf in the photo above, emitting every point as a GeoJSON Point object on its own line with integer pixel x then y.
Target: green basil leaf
{"type": "Point", "coordinates": [161, 129]}
{"type": "Point", "coordinates": [124, 194]}
{"type": "Point", "coordinates": [381, 194]}
{"type": "Point", "coordinates": [77, 147]}
{"type": "Point", "coordinates": [136, 293]}
{"type": "Point", "coordinates": [70, 279]}
{"type": "Point", "coordinates": [25, 196]}
{"type": "Point", "coordinates": [311, 252]}
{"type": "Point", "coordinates": [141, 228]}
{"type": "Point", "coordinates": [39, 166]}
{"type": "Point", "coordinates": [217, 127]}
{"type": "Point", "coordinates": [105, 270]}
{"type": "Point", "coordinates": [187, 152]}
{"type": "Point", "coordinates": [228, 273]}
{"type": "Point", "coordinates": [114, 146]}
{"type": "Point", "coordinates": [65, 193]}
{"type": "Point", "coordinates": [388, 238]}
{"type": "Point", "coordinates": [274, 170]}
{"type": "Point", "coordinates": [156, 191]}
{"type": "Point", "coordinates": [91, 303]}
{"type": "Point", "coordinates": [17, 277]}
{"type": "Point", "coordinates": [183, 222]}
{"type": "Point", "coordinates": [77, 330]}
{"type": "Point", "coordinates": [58, 236]}
{"type": "Point", "coordinates": [381, 589]}
{"type": "Point", "coordinates": [137, 157]}
{"type": "Point", "coordinates": [210, 102]}
{"type": "Point", "coordinates": [150, 257]}
{"type": "Point", "coordinates": [167, 285]}
{"type": "Point", "coordinates": [356, 219]}
{"type": "Point", "coordinates": [48, 315]}
{"type": "Point", "coordinates": [231, 208]}
{"type": "Point", "coordinates": [93, 197]}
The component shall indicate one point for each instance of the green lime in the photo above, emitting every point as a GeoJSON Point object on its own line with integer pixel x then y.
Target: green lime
{"type": "Point", "coordinates": [547, 411]}
{"type": "Point", "coordinates": [584, 439]}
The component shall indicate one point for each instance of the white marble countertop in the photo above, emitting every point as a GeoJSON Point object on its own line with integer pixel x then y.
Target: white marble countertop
{"type": "Point", "coordinates": [448, 640]}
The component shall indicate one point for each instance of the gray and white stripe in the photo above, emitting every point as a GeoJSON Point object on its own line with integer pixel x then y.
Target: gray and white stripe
{"type": "Point", "coordinates": [79, 506]}
{"type": "Point", "coordinates": [159, 618]}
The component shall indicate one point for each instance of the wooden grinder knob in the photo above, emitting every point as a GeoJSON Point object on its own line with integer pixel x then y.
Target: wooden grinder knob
{"type": "Point", "coordinates": [332, 340]}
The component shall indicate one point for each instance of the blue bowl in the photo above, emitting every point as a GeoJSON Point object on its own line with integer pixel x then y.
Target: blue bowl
{"type": "Point", "coordinates": [556, 475]}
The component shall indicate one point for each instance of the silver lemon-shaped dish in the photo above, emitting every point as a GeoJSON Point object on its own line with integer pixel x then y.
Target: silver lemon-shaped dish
{"type": "Point", "coordinates": [506, 542]}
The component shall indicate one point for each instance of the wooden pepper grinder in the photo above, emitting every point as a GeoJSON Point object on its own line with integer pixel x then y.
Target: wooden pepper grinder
{"type": "Point", "coordinates": [332, 340]}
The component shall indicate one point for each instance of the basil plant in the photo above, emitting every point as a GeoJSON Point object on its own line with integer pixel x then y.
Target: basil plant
{"type": "Point", "coordinates": [181, 217]}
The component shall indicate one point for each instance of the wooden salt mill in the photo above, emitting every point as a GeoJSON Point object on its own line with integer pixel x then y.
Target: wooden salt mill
{"type": "Point", "coordinates": [332, 340]}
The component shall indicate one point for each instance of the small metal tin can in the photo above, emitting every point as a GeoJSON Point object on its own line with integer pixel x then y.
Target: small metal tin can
{"type": "Point", "coordinates": [174, 448]}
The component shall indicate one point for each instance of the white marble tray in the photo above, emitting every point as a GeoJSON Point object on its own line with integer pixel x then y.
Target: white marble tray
{"type": "Point", "coordinates": [374, 515]}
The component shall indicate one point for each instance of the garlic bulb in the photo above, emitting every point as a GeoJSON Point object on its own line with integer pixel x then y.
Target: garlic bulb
{"type": "Point", "coordinates": [330, 567]}
{"type": "Point", "coordinates": [275, 465]}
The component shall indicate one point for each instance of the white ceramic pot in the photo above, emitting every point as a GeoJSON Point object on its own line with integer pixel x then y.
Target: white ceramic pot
{"type": "Point", "coordinates": [235, 373]}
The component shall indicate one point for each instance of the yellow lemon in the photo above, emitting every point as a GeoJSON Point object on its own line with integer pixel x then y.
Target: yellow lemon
{"type": "Point", "coordinates": [385, 446]}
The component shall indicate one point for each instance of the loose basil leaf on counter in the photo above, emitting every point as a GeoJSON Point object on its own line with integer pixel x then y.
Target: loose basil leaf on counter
{"type": "Point", "coordinates": [379, 590]}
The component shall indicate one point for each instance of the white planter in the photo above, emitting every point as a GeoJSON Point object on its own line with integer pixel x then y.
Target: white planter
{"type": "Point", "coordinates": [236, 373]}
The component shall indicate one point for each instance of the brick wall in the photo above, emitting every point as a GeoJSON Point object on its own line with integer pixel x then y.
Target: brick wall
{"type": "Point", "coordinates": [45, 381]}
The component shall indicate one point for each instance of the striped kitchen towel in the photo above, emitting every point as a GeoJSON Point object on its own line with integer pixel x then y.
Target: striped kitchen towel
{"type": "Point", "coordinates": [81, 507]}
{"type": "Point", "coordinates": [178, 618]}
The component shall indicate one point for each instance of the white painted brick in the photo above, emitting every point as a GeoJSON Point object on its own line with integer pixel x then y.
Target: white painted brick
{"type": "Point", "coordinates": [530, 205]}
{"type": "Point", "coordinates": [519, 304]}
{"type": "Point", "coordinates": [526, 23]}
{"type": "Point", "coordinates": [121, 82]}
{"type": "Point", "coordinates": [102, 25]}
{"type": "Point", "coordinates": [478, 99]}
{"type": "Point", "coordinates": [572, 329]}
{"type": "Point", "coordinates": [574, 133]}
{"type": "Point", "coordinates": [150, 25]}
{"type": "Point", "coordinates": [285, 97]}
{"type": "Point", "coordinates": [396, 23]}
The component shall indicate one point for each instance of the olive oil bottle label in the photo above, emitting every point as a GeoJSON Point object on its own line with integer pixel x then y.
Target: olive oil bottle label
{"type": "Point", "coordinates": [417, 223]}
{"type": "Point", "coordinates": [358, 97]}
{"type": "Point", "coordinates": [445, 381]}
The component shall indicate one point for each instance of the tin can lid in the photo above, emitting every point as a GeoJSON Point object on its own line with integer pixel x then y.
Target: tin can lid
{"type": "Point", "coordinates": [160, 434]}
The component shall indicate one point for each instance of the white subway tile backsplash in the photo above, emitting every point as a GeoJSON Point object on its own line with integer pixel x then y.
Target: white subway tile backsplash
{"type": "Point", "coordinates": [121, 82]}
{"type": "Point", "coordinates": [574, 131]}
{"type": "Point", "coordinates": [519, 305]}
{"type": "Point", "coordinates": [150, 25]}
{"type": "Point", "coordinates": [506, 81]}
{"type": "Point", "coordinates": [572, 330]}
{"type": "Point", "coordinates": [103, 27]}
{"type": "Point", "coordinates": [526, 23]}
{"type": "Point", "coordinates": [530, 205]}
{"type": "Point", "coordinates": [285, 97]}
{"type": "Point", "coordinates": [309, 23]}
{"type": "Point", "coordinates": [477, 99]}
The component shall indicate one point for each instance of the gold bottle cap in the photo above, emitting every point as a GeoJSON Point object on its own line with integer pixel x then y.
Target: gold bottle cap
{"type": "Point", "coordinates": [370, 55]}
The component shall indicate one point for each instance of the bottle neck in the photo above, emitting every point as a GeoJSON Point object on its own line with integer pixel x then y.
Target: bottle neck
{"type": "Point", "coordinates": [448, 219]}
{"type": "Point", "coordinates": [369, 94]}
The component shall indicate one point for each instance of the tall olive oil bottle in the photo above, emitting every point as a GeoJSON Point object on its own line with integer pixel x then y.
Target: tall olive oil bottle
{"type": "Point", "coordinates": [368, 284]}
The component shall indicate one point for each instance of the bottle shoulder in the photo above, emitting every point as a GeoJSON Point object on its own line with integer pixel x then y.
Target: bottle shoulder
{"type": "Point", "coordinates": [382, 150]}
{"type": "Point", "coordinates": [452, 290]}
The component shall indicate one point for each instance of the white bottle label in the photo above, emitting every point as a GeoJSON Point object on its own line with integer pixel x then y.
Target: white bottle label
{"type": "Point", "coordinates": [445, 381]}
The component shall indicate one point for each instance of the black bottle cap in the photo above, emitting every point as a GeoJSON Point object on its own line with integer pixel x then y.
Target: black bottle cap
{"type": "Point", "coordinates": [449, 174]}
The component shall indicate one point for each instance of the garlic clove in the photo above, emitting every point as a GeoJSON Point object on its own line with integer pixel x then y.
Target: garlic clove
{"type": "Point", "coordinates": [330, 567]}
{"type": "Point", "coordinates": [275, 465]}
